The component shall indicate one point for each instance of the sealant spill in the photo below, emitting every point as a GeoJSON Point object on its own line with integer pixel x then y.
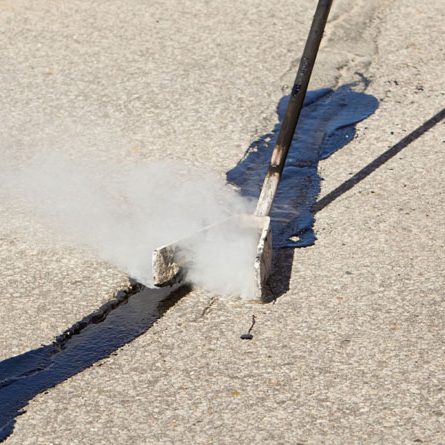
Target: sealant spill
{"type": "Point", "coordinates": [327, 123]}
{"type": "Point", "coordinates": [92, 339]}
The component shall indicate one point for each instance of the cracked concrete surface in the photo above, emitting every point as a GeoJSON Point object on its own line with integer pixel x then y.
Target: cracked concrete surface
{"type": "Point", "coordinates": [353, 351]}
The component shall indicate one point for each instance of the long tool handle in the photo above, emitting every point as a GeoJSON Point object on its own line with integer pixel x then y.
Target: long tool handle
{"type": "Point", "coordinates": [294, 107]}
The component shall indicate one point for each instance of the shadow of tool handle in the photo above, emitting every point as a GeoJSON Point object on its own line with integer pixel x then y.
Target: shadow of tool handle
{"type": "Point", "coordinates": [379, 161]}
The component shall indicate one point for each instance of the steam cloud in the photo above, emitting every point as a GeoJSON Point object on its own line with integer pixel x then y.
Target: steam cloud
{"type": "Point", "coordinates": [121, 213]}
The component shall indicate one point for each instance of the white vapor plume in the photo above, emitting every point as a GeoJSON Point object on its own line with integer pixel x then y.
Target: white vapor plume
{"type": "Point", "coordinates": [122, 213]}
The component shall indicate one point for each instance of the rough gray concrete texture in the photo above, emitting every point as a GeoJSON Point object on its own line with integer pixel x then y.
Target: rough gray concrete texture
{"type": "Point", "coordinates": [353, 352]}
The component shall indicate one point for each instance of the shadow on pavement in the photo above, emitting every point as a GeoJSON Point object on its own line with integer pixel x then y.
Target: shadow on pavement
{"type": "Point", "coordinates": [379, 161]}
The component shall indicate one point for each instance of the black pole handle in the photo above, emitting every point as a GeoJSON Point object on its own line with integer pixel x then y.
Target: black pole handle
{"type": "Point", "coordinates": [294, 107]}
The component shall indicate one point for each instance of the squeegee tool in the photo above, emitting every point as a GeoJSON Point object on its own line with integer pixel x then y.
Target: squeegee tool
{"type": "Point", "coordinates": [170, 261]}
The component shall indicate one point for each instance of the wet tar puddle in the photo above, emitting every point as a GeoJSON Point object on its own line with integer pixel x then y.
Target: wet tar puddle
{"type": "Point", "coordinates": [94, 338]}
{"type": "Point", "coordinates": [327, 124]}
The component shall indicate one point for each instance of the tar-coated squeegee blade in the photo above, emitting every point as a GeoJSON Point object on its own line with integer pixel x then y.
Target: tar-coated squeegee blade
{"type": "Point", "coordinates": [170, 261]}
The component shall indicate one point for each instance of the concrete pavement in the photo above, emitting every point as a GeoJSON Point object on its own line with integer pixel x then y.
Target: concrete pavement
{"type": "Point", "coordinates": [353, 351]}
